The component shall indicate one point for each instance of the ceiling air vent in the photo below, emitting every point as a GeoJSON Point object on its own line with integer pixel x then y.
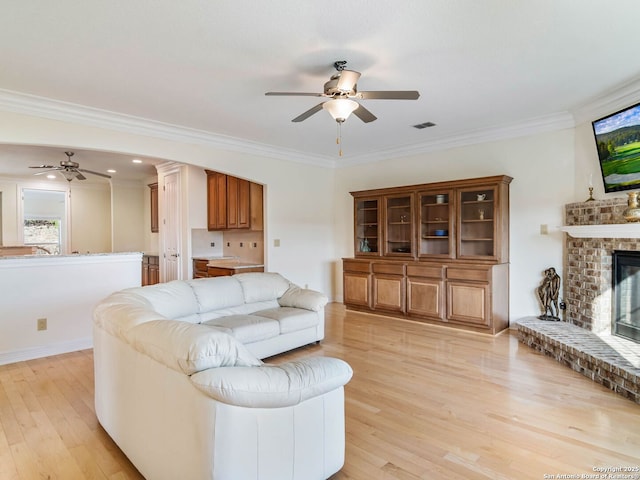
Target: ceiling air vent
{"type": "Point", "coordinates": [420, 126]}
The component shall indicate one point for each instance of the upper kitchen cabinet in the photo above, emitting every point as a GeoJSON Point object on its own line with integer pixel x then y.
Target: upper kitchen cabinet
{"type": "Point", "coordinates": [233, 203]}
{"type": "Point", "coordinates": [153, 189]}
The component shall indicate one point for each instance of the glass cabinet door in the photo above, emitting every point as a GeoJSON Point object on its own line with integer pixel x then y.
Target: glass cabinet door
{"type": "Point", "coordinates": [399, 225]}
{"type": "Point", "coordinates": [367, 226]}
{"type": "Point", "coordinates": [436, 223]}
{"type": "Point", "coordinates": [476, 225]}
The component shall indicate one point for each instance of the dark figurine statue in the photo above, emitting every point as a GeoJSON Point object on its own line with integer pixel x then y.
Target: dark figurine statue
{"type": "Point", "coordinates": [548, 295]}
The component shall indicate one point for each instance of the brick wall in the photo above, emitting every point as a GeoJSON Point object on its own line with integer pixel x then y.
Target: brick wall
{"type": "Point", "coordinates": [587, 264]}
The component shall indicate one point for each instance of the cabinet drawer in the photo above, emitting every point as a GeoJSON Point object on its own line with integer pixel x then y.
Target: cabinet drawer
{"type": "Point", "coordinates": [425, 271]}
{"type": "Point", "coordinates": [389, 268]}
{"type": "Point", "coordinates": [479, 275]}
{"type": "Point", "coordinates": [354, 266]}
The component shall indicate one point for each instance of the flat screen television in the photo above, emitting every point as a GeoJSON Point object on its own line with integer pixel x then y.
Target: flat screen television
{"type": "Point", "coordinates": [618, 142]}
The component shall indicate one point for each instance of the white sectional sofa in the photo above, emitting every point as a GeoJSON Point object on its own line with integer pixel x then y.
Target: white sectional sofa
{"type": "Point", "coordinates": [180, 387]}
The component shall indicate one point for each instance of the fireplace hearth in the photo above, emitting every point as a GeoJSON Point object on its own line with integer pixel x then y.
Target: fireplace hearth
{"type": "Point", "coordinates": [625, 318]}
{"type": "Point", "coordinates": [589, 339]}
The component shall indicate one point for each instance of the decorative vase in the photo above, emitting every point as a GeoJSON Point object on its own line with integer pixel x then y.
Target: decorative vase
{"type": "Point", "coordinates": [632, 212]}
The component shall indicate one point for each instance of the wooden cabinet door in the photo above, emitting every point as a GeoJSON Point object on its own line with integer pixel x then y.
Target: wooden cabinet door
{"type": "Point", "coordinates": [398, 225]}
{"type": "Point", "coordinates": [256, 206]}
{"type": "Point", "coordinates": [244, 203]}
{"type": "Point", "coordinates": [357, 289]}
{"type": "Point", "coordinates": [478, 219]}
{"type": "Point", "coordinates": [232, 202]}
{"type": "Point", "coordinates": [155, 227]}
{"type": "Point", "coordinates": [468, 302]}
{"type": "Point", "coordinates": [216, 201]}
{"type": "Point", "coordinates": [425, 297]}
{"type": "Point", "coordinates": [154, 274]}
{"type": "Point", "coordinates": [389, 292]}
{"type": "Point", "coordinates": [367, 226]}
{"type": "Point", "coordinates": [145, 274]}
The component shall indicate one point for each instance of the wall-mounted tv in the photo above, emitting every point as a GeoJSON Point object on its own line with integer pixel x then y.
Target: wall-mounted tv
{"type": "Point", "coordinates": [618, 143]}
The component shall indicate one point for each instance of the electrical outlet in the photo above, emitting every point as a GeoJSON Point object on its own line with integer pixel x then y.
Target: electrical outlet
{"type": "Point", "coordinates": [228, 244]}
{"type": "Point", "coordinates": [544, 229]}
{"type": "Point", "coordinates": [241, 244]}
{"type": "Point", "coordinates": [42, 324]}
{"type": "Point", "coordinates": [255, 244]}
{"type": "Point", "coordinates": [276, 242]}
{"type": "Point", "coordinates": [213, 244]}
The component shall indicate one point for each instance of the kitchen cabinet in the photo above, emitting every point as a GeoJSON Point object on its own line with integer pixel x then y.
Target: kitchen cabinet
{"type": "Point", "coordinates": [153, 191]}
{"type": "Point", "coordinates": [216, 201]}
{"type": "Point", "coordinates": [233, 203]}
{"type": "Point", "coordinates": [150, 269]}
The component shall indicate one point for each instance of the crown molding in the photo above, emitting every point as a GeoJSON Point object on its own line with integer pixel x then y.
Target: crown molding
{"type": "Point", "coordinates": [624, 95]}
{"type": "Point", "coordinates": [23, 103]}
{"type": "Point", "coordinates": [547, 123]}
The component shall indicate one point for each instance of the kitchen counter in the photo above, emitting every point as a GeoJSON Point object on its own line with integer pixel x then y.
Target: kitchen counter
{"type": "Point", "coordinates": [222, 266]}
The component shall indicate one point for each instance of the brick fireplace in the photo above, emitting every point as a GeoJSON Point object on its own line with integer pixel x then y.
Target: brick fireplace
{"type": "Point", "coordinates": [588, 264]}
{"type": "Point", "coordinates": [583, 340]}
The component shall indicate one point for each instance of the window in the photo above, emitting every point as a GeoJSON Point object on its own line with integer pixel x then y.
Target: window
{"type": "Point", "coordinates": [44, 234]}
{"type": "Point", "coordinates": [45, 220]}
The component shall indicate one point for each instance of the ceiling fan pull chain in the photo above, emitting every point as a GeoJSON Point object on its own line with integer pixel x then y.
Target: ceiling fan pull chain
{"type": "Point", "coordinates": [339, 138]}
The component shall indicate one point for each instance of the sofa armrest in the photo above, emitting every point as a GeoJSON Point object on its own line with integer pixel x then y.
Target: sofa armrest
{"type": "Point", "coordinates": [187, 347]}
{"type": "Point", "coordinates": [273, 386]}
{"type": "Point", "coordinates": [303, 298]}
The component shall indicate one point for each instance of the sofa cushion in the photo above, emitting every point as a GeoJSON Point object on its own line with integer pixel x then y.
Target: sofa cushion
{"type": "Point", "coordinates": [259, 287]}
{"type": "Point", "coordinates": [174, 300]}
{"type": "Point", "coordinates": [272, 386]}
{"type": "Point", "coordinates": [303, 298]}
{"type": "Point", "coordinates": [187, 347]}
{"type": "Point", "coordinates": [291, 319]}
{"type": "Point", "coordinates": [247, 328]}
{"type": "Point", "coordinates": [217, 293]}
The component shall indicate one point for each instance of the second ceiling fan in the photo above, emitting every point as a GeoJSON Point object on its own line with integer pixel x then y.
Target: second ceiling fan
{"type": "Point", "coordinates": [341, 89]}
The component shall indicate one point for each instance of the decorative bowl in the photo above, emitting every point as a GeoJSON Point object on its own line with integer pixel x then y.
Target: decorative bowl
{"type": "Point", "coordinates": [440, 233]}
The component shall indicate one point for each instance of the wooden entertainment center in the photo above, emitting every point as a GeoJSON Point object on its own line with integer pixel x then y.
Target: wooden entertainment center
{"type": "Point", "coordinates": [435, 252]}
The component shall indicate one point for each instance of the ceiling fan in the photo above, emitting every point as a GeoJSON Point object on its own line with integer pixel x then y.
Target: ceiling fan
{"type": "Point", "coordinates": [341, 89]}
{"type": "Point", "coordinates": [69, 169]}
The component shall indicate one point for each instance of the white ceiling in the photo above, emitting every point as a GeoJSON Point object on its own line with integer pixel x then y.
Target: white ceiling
{"type": "Point", "coordinates": [205, 65]}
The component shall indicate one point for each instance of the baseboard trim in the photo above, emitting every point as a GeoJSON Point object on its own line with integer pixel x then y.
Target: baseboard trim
{"type": "Point", "coordinates": [45, 350]}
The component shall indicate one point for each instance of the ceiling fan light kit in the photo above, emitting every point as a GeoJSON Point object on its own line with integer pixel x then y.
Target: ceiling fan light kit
{"type": "Point", "coordinates": [340, 108]}
{"type": "Point", "coordinates": [340, 89]}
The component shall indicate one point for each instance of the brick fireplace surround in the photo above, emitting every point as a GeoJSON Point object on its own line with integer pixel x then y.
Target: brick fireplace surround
{"type": "Point", "coordinates": [583, 340]}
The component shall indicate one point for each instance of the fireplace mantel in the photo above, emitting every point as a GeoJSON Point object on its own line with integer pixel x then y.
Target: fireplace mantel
{"type": "Point", "coordinates": [614, 230]}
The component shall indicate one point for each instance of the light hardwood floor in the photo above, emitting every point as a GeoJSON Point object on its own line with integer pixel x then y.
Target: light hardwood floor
{"type": "Point", "coordinates": [424, 403]}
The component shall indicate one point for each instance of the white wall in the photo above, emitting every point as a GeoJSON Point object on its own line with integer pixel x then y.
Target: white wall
{"type": "Point", "coordinates": [90, 218]}
{"type": "Point", "coordinates": [542, 167]}
{"type": "Point", "coordinates": [63, 290]}
{"type": "Point", "coordinates": [128, 216]}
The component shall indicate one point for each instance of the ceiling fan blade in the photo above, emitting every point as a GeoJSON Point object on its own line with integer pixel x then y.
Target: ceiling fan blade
{"type": "Point", "coordinates": [389, 95]}
{"type": "Point", "coordinates": [347, 80]}
{"type": "Point", "coordinates": [80, 176]}
{"type": "Point", "coordinates": [93, 173]}
{"type": "Point", "coordinates": [42, 166]}
{"type": "Point", "coordinates": [308, 113]}
{"type": "Point", "coordinates": [295, 94]}
{"type": "Point", "coordinates": [53, 169]}
{"type": "Point", "coordinates": [363, 114]}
